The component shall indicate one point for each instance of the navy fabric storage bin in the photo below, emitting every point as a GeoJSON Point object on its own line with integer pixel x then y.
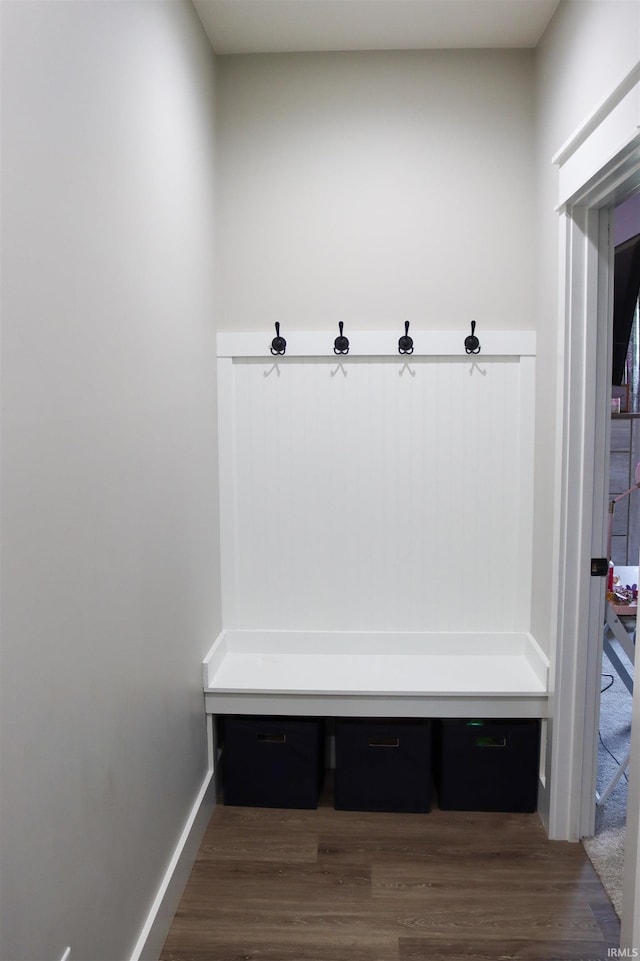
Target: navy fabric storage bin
{"type": "Point", "coordinates": [383, 765]}
{"type": "Point", "coordinates": [273, 761]}
{"type": "Point", "coordinates": [487, 765]}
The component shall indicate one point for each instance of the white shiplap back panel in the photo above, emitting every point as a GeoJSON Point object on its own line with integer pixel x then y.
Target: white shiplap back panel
{"type": "Point", "coordinates": [374, 494]}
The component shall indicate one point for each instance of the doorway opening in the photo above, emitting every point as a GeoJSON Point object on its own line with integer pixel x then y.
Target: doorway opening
{"type": "Point", "coordinates": [614, 696]}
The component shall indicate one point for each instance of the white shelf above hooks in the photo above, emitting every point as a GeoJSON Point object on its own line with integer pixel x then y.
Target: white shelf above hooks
{"type": "Point", "coordinates": [379, 343]}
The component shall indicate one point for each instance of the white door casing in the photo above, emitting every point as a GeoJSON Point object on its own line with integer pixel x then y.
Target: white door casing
{"type": "Point", "coordinates": [599, 168]}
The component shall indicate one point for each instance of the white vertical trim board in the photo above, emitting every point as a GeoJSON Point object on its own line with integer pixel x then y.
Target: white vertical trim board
{"type": "Point", "coordinates": [601, 285]}
{"type": "Point", "coordinates": [525, 459]}
{"type": "Point", "coordinates": [575, 546]}
{"type": "Point", "coordinates": [227, 482]}
{"type": "Point", "coordinates": [378, 493]}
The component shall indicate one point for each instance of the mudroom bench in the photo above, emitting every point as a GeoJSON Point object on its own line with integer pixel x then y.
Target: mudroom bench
{"type": "Point", "coordinates": [372, 674]}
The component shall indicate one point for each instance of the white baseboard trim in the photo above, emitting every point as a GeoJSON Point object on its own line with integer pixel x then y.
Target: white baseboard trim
{"type": "Point", "coordinates": [156, 927]}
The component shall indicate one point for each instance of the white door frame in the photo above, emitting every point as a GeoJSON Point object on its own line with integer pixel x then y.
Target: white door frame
{"type": "Point", "coordinates": [585, 427]}
{"type": "Point", "coordinates": [587, 252]}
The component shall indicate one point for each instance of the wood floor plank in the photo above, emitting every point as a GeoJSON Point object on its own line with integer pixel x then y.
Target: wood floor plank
{"type": "Point", "coordinates": [246, 818]}
{"type": "Point", "coordinates": [415, 949]}
{"type": "Point", "coordinates": [443, 826]}
{"type": "Point", "coordinates": [237, 949]}
{"type": "Point", "coordinates": [408, 878]}
{"type": "Point", "coordinates": [606, 919]}
{"type": "Point", "coordinates": [566, 901]}
{"type": "Point", "coordinates": [269, 919]}
{"type": "Point", "coordinates": [380, 846]}
{"type": "Point", "coordinates": [212, 882]}
{"type": "Point", "coordinates": [258, 847]}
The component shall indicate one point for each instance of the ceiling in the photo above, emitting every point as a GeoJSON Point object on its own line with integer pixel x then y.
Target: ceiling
{"type": "Point", "coordinates": [285, 26]}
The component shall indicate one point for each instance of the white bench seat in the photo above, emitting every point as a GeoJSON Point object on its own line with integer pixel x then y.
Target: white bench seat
{"type": "Point", "coordinates": [376, 674]}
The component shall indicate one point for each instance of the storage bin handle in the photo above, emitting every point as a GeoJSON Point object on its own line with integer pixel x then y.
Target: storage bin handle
{"type": "Point", "coordinates": [272, 738]}
{"type": "Point", "coordinates": [384, 742]}
{"type": "Point", "coordinates": [491, 741]}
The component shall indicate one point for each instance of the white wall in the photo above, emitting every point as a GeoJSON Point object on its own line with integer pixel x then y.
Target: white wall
{"type": "Point", "coordinates": [587, 49]}
{"type": "Point", "coordinates": [376, 188]}
{"type": "Point", "coordinates": [110, 587]}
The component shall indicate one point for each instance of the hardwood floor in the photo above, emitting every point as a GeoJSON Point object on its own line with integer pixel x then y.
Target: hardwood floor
{"type": "Point", "coordinates": [326, 885]}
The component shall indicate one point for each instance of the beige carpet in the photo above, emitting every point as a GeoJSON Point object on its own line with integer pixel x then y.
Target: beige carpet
{"type": "Point", "coordinates": [606, 853]}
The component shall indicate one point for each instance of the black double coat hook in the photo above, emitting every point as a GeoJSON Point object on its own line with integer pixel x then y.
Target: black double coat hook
{"type": "Point", "coordinates": [405, 344]}
{"type": "Point", "coordinates": [278, 344]}
{"type": "Point", "coordinates": [341, 343]}
{"type": "Point", "coordinates": [471, 343]}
